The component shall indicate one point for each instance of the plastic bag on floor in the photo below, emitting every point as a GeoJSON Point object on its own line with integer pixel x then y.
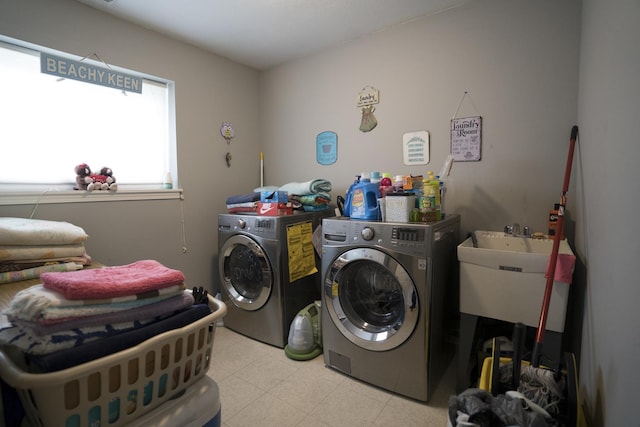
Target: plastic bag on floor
{"type": "Point", "coordinates": [478, 408]}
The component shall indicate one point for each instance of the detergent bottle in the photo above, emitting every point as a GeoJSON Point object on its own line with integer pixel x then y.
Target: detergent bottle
{"type": "Point", "coordinates": [349, 196]}
{"type": "Point", "coordinates": [364, 199]}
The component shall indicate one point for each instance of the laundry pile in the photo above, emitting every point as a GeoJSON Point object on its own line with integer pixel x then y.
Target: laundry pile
{"type": "Point", "coordinates": [29, 247]}
{"type": "Point", "coordinates": [309, 196]}
{"type": "Point", "coordinates": [78, 316]}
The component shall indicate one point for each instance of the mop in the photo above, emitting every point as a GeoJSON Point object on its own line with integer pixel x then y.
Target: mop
{"type": "Point", "coordinates": [553, 391]}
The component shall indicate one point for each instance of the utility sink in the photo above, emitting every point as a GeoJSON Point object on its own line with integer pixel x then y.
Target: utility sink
{"type": "Point", "coordinates": [503, 277]}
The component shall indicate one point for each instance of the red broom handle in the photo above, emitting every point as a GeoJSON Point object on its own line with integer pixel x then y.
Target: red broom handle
{"type": "Point", "coordinates": [551, 271]}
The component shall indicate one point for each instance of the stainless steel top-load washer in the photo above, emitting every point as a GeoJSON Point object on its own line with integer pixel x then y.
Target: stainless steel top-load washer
{"type": "Point", "coordinates": [268, 271]}
{"type": "Point", "coordinates": [386, 292]}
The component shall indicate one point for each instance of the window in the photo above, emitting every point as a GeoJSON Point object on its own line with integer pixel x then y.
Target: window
{"type": "Point", "coordinates": [51, 124]}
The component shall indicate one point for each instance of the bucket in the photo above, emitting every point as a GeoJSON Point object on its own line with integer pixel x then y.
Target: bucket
{"type": "Point", "coordinates": [364, 200]}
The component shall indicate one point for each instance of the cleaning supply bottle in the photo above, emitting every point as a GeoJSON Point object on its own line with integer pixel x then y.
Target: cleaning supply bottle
{"type": "Point", "coordinates": [424, 202]}
{"type": "Point", "coordinates": [364, 201]}
{"type": "Point", "coordinates": [349, 196]}
{"type": "Point", "coordinates": [398, 183]}
{"type": "Point", "coordinates": [386, 185]}
{"type": "Point", "coordinates": [435, 183]}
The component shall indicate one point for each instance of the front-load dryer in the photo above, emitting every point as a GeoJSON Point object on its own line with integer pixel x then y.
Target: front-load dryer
{"type": "Point", "coordinates": [268, 271]}
{"type": "Point", "coordinates": [384, 301]}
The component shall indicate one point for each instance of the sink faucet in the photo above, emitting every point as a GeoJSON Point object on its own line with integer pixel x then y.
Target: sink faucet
{"type": "Point", "coordinates": [515, 230]}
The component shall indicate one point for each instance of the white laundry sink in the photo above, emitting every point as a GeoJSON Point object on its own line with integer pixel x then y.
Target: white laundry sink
{"type": "Point", "coordinates": [504, 278]}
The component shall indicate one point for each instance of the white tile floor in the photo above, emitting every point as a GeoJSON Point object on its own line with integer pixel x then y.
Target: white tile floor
{"type": "Point", "coordinates": [260, 386]}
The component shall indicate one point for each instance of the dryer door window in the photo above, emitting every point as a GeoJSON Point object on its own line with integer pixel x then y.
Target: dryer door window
{"type": "Point", "coordinates": [246, 272]}
{"type": "Point", "coordinates": [371, 299]}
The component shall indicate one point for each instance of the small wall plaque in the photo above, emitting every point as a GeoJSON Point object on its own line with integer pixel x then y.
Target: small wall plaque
{"type": "Point", "coordinates": [326, 148]}
{"type": "Point", "coordinates": [415, 148]}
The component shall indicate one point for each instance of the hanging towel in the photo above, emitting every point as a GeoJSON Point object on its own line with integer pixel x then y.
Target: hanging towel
{"type": "Point", "coordinates": [564, 268]}
{"type": "Point", "coordinates": [109, 282]}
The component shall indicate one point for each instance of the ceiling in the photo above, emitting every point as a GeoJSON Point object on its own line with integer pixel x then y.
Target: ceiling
{"type": "Point", "coordinates": [266, 33]}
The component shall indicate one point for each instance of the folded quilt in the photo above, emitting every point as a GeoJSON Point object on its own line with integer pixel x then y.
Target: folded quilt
{"type": "Point", "coordinates": [33, 273]}
{"type": "Point", "coordinates": [308, 187]}
{"type": "Point", "coordinates": [23, 264]}
{"type": "Point", "coordinates": [16, 252]}
{"type": "Point", "coordinates": [28, 232]}
{"type": "Point", "coordinates": [21, 338]}
{"type": "Point", "coordinates": [67, 358]}
{"type": "Point", "coordinates": [315, 199]}
{"type": "Point", "coordinates": [243, 198]}
{"type": "Point", "coordinates": [148, 311]}
{"type": "Point", "coordinates": [111, 282]}
{"type": "Point", "coordinates": [318, 208]}
{"type": "Point", "coordinates": [37, 302]}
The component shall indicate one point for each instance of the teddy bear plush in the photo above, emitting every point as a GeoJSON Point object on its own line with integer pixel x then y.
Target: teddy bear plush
{"type": "Point", "coordinates": [83, 176]}
{"type": "Point", "coordinates": [86, 180]}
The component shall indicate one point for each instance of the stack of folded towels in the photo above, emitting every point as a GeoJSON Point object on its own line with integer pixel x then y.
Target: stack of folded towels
{"type": "Point", "coordinates": [74, 317]}
{"type": "Point", "coordinates": [309, 196]}
{"type": "Point", "coordinates": [29, 247]}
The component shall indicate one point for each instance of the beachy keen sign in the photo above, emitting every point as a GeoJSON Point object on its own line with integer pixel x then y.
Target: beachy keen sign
{"type": "Point", "coordinates": [81, 71]}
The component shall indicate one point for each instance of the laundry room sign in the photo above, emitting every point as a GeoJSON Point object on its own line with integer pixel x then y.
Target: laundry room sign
{"type": "Point", "coordinates": [466, 138]}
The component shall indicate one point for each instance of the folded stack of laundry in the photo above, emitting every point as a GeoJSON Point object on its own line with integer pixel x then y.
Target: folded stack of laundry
{"type": "Point", "coordinates": [29, 247]}
{"type": "Point", "coordinates": [74, 317]}
{"type": "Point", "coordinates": [309, 196]}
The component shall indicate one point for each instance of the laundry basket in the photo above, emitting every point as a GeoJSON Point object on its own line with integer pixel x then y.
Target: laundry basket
{"type": "Point", "coordinates": [116, 389]}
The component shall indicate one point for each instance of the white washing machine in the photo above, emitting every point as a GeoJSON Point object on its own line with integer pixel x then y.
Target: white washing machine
{"type": "Point", "coordinates": [386, 292]}
{"type": "Point", "coordinates": [268, 270]}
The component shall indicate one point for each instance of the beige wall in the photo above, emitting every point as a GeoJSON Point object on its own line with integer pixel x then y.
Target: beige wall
{"type": "Point", "coordinates": [517, 60]}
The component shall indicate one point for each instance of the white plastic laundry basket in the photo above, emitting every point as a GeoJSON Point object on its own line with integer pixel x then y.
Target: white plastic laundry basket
{"type": "Point", "coordinates": [116, 389]}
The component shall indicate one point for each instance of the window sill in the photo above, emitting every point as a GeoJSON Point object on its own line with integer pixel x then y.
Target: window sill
{"type": "Point", "coordinates": [52, 194]}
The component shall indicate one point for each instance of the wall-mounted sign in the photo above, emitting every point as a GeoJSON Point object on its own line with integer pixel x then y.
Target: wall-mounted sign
{"type": "Point", "coordinates": [365, 101]}
{"type": "Point", "coordinates": [326, 148]}
{"type": "Point", "coordinates": [368, 96]}
{"type": "Point", "coordinates": [415, 148]}
{"type": "Point", "coordinates": [89, 73]}
{"type": "Point", "coordinates": [466, 138]}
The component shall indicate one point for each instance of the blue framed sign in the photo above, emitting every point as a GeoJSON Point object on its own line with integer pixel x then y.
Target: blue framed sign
{"type": "Point", "coordinates": [327, 148]}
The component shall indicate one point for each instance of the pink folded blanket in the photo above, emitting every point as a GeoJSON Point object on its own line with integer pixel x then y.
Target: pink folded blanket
{"type": "Point", "coordinates": [109, 282]}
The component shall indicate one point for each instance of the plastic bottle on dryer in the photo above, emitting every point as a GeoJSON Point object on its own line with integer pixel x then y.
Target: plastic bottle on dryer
{"type": "Point", "coordinates": [386, 185]}
{"type": "Point", "coordinates": [364, 199]}
{"type": "Point", "coordinates": [349, 196]}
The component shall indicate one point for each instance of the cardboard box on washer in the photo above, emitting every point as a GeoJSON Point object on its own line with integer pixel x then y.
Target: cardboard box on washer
{"type": "Point", "coordinates": [275, 209]}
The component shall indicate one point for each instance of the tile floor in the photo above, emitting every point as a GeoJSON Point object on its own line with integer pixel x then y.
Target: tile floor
{"type": "Point", "coordinates": [260, 386]}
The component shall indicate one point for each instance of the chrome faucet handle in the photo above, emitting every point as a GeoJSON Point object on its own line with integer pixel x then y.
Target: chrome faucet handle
{"type": "Point", "coordinates": [515, 229]}
{"type": "Point", "coordinates": [508, 229]}
{"type": "Point", "coordinates": [526, 231]}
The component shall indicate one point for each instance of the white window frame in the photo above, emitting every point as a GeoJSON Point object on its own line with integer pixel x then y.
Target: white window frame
{"type": "Point", "coordinates": [20, 194]}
